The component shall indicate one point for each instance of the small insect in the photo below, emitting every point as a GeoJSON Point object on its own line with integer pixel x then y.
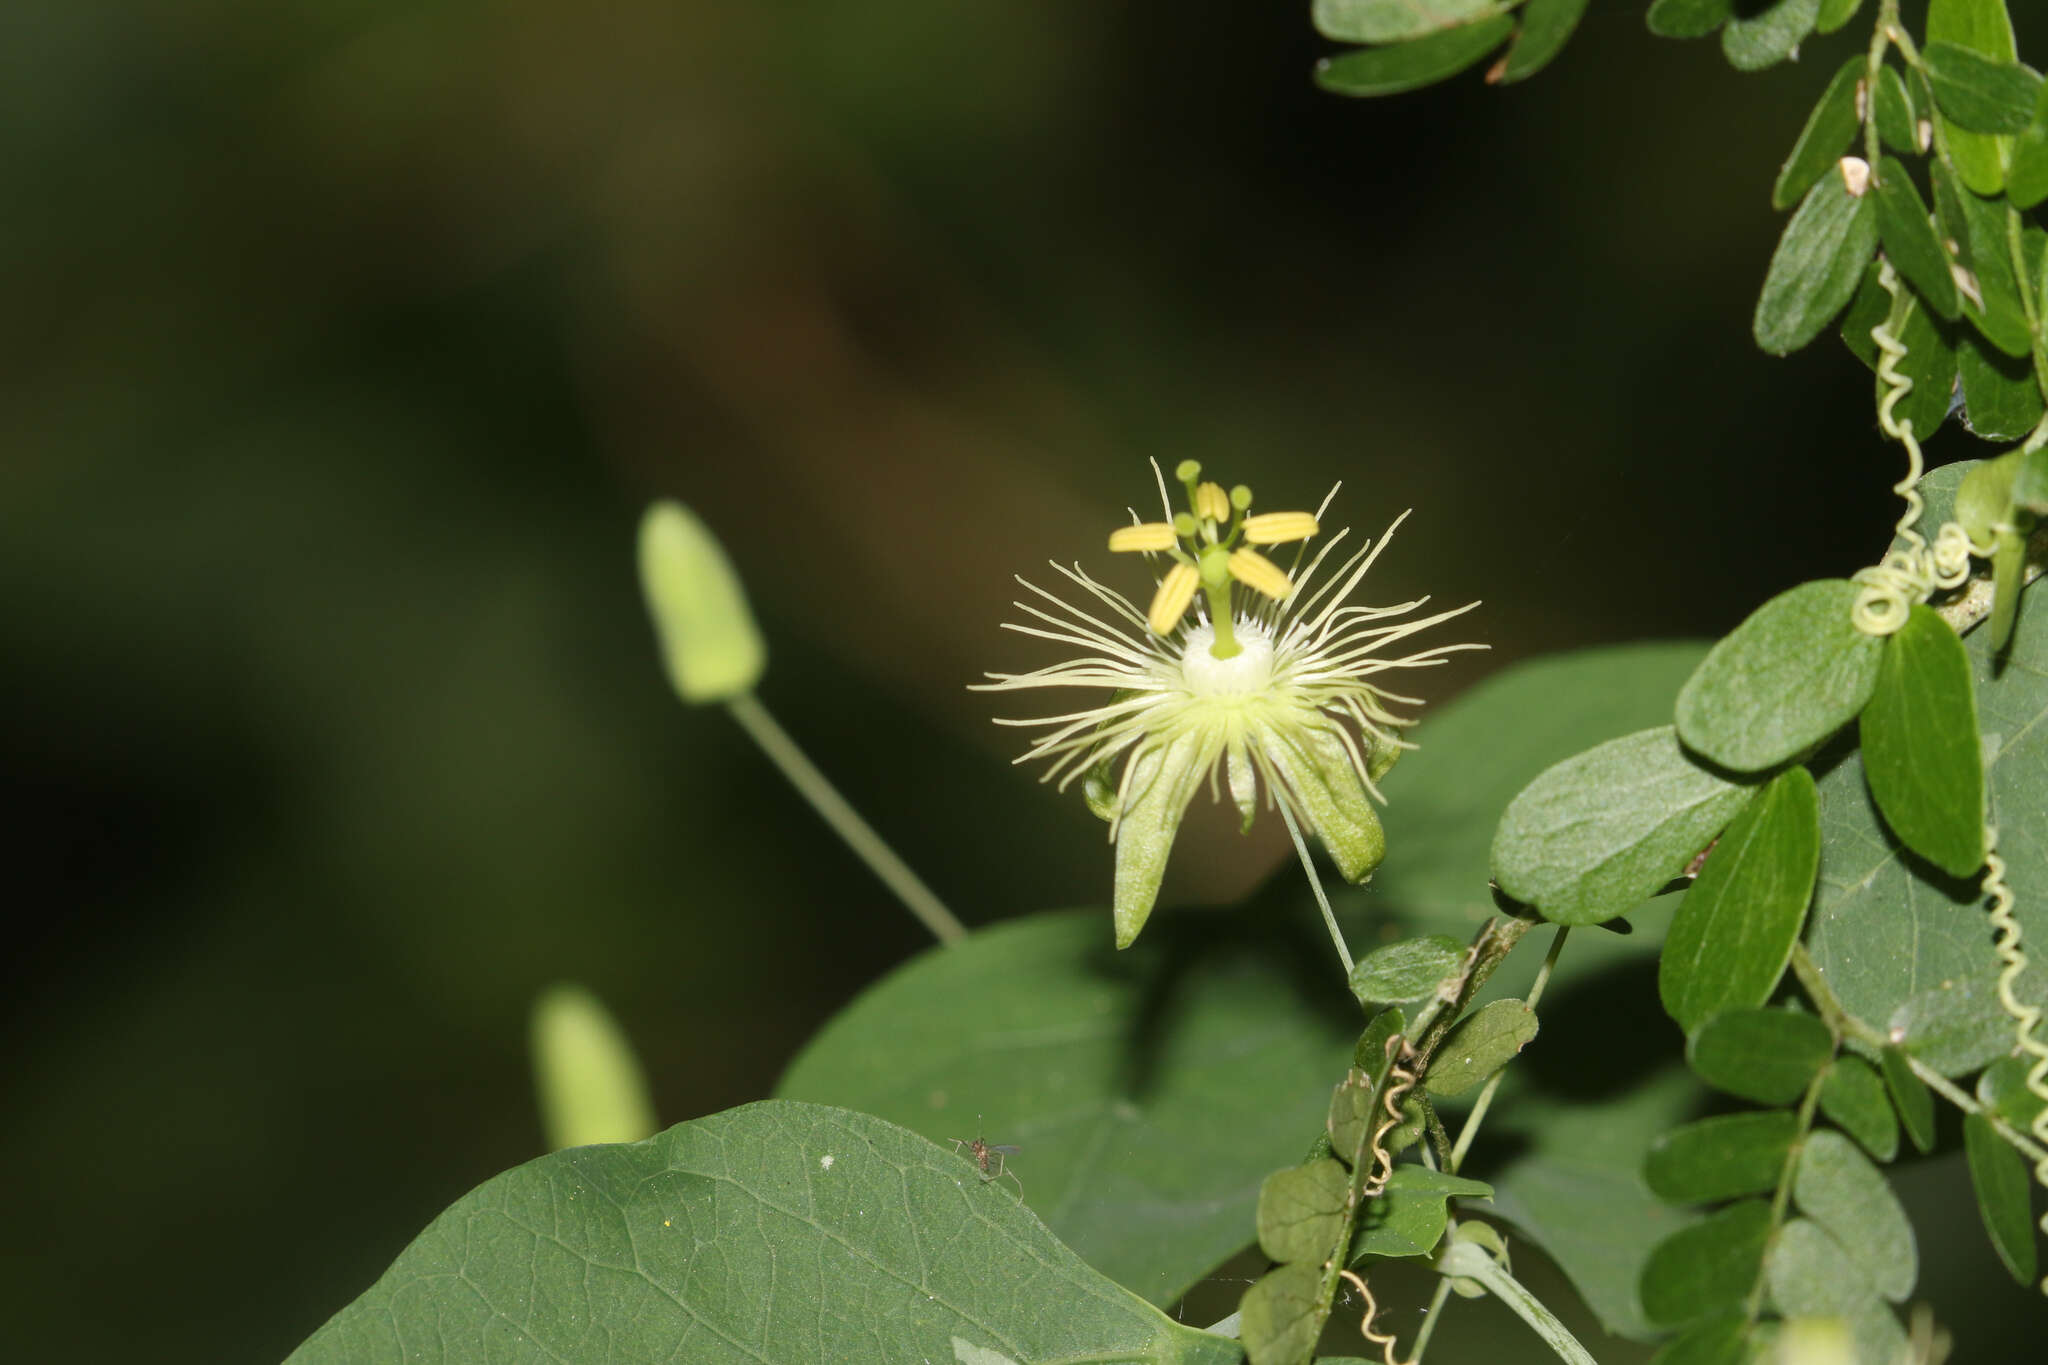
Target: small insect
{"type": "Point", "coordinates": [991, 1157]}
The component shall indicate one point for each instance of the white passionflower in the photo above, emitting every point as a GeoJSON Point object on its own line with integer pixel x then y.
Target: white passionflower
{"type": "Point", "coordinates": [1272, 693]}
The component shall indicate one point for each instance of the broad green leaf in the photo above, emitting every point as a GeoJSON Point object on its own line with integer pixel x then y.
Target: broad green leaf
{"type": "Point", "coordinates": [1812, 1276]}
{"type": "Point", "coordinates": [1281, 1316]}
{"type": "Point", "coordinates": [1835, 13]}
{"type": "Point", "coordinates": [1751, 44]}
{"type": "Point", "coordinates": [2001, 396]}
{"type": "Point", "coordinates": [1688, 18]}
{"type": "Point", "coordinates": [1717, 1341]}
{"type": "Point", "coordinates": [1482, 1043]}
{"type": "Point", "coordinates": [1977, 93]}
{"type": "Point", "coordinates": [1707, 1268]}
{"type": "Point", "coordinates": [1897, 123]}
{"type": "Point", "coordinates": [591, 1087]}
{"type": "Point", "coordinates": [1301, 1211]}
{"type": "Point", "coordinates": [1817, 265]}
{"type": "Point", "coordinates": [1921, 753]}
{"type": "Point", "coordinates": [1853, 1098]}
{"type": "Point", "coordinates": [1734, 931]}
{"type": "Point", "coordinates": [1575, 1187]}
{"type": "Point", "coordinates": [1781, 682]}
{"type": "Point", "coordinates": [1369, 1054]}
{"type": "Point", "coordinates": [1910, 1097]}
{"type": "Point", "coordinates": [1394, 21]}
{"type": "Point", "coordinates": [1907, 231]}
{"type": "Point", "coordinates": [1144, 1145]}
{"type": "Point", "coordinates": [1929, 364]}
{"type": "Point", "coordinates": [2001, 318]}
{"type": "Point", "coordinates": [2002, 1089]}
{"type": "Point", "coordinates": [1410, 969]}
{"type": "Point", "coordinates": [1838, 1188]}
{"type": "Point", "coordinates": [1721, 1158]}
{"type": "Point", "coordinates": [1766, 1055]}
{"type": "Point", "coordinates": [1828, 130]}
{"type": "Point", "coordinates": [1887, 930]}
{"type": "Point", "coordinates": [709, 643]}
{"type": "Point", "coordinates": [1596, 835]}
{"type": "Point", "coordinates": [773, 1232]}
{"type": "Point", "coordinates": [1412, 65]}
{"type": "Point", "coordinates": [1998, 1174]}
{"type": "Point", "coordinates": [1351, 1115]}
{"type": "Point", "coordinates": [1983, 27]}
{"type": "Point", "coordinates": [2026, 179]}
{"type": "Point", "coordinates": [1409, 1219]}
{"type": "Point", "coordinates": [1546, 26]}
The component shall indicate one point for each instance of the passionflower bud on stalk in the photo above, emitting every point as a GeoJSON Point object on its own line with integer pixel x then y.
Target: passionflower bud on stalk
{"type": "Point", "coordinates": [1271, 691]}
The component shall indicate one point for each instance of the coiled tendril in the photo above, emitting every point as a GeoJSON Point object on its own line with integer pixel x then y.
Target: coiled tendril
{"type": "Point", "coordinates": [1906, 576]}
{"type": "Point", "coordinates": [1400, 1079]}
{"type": "Point", "coordinates": [2026, 1018]}
{"type": "Point", "coordinates": [1383, 1340]}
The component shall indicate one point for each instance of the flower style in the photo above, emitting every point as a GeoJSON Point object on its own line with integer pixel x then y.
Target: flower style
{"type": "Point", "coordinates": [1273, 692]}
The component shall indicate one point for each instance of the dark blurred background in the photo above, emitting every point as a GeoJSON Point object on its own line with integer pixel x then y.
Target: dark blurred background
{"type": "Point", "coordinates": [344, 341]}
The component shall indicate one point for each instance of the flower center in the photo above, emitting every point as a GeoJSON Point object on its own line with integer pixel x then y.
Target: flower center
{"type": "Point", "coordinates": [1248, 671]}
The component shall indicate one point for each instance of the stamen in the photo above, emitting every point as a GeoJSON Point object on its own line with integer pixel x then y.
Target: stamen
{"type": "Point", "coordinates": [1170, 603]}
{"type": "Point", "coordinates": [1277, 528]}
{"type": "Point", "coordinates": [1147, 536]}
{"type": "Point", "coordinates": [1259, 573]}
{"type": "Point", "coordinates": [1212, 503]}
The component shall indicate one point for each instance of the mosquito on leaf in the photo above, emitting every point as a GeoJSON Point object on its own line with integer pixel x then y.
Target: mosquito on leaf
{"type": "Point", "coordinates": [991, 1157]}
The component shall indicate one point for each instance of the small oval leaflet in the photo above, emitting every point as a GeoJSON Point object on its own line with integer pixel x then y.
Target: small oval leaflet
{"type": "Point", "coordinates": [1817, 265]}
{"type": "Point", "coordinates": [1766, 1055]}
{"type": "Point", "coordinates": [1301, 1211]}
{"type": "Point", "coordinates": [1781, 682]}
{"type": "Point", "coordinates": [1810, 1275]}
{"type": "Point", "coordinates": [1998, 1176]}
{"type": "Point", "coordinates": [1410, 969]}
{"type": "Point", "coordinates": [1707, 1268]}
{"type": "Point", "coordinates": [1482, 1043]}
{"type": "Point", "coordinates": [1909, 240]}
{"type": "Point", "coordinates": [1828, 130]}
{"type": "Point", "coordinates": [1910, 1097]}
{"type": "Point", "coordinates": [1838, 1188]}
{"type": "Point", "coordinates": [1411, 65]}
{"type": "Point", "coordinates": [1724, 1157]}
{"type": "Point", "coordinates": [1853, 1098]}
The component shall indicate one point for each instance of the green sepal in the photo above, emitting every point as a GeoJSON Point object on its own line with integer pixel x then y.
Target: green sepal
{"type": "Point", "coordinates": [1161, 782]}
{"type": "Point", "coordinates": [1332, 801]}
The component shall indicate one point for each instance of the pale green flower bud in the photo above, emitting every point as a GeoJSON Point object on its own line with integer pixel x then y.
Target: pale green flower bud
{"type": "Point", "coordinates": [591, 1088]}
{"type": "Point", "coordinates": [708, 639]}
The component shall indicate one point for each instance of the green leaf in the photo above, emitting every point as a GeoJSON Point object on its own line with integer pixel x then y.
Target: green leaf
{"type": "Point", "coordinates": [2001, 397]}
{"type": "Point", "coordinates": [1351, 1115]}
{"type": "Point", "coordinates": [1598, 834]}
{"type": "Point", "coordinates": [1281, 1316]}
{"type": "Point", "coordinates": [1143, 1148]}
{"type": "Point", "coordinates": [1301, 1211]}
{"type": "Point", "coordinates": [1784, 680]}
{"type": "Point", "coordinates": [1721, 1158]}
{"type": "Point", "coordinates": [1734, 931]}
{"type": "Point", "coordinates": [2002, 1089]}
{"type": "Point", "coordinates": [1853, 1098]}
{"type": "Point", "coordinates": [1886, 929]}
{"type": "Point", "coordinates": [1545, 28]}
{"type": "Point", "coordinates": [1835, 13]}
{"type": "Point", "coordinates": [1410, 1217]}
{"type": "Point", "coordinates": [1707, 1268]}
{"type": "Point", "coordinates": [1482, 1043]}
{"type": "Point", "coordinates": [1978, 93]}
{"type": "Point", "coordinates": [1412, 65]}
{"type": "Point", "coordinates": [2026, 179]}
{"type": "Point", "coordinates": [1907, 231]}
{"type": "Point", "coordinates": [1838, 1188]}
{"type": "Point", "coordinates": [1771, 37]}
{"type": "Point", "coordinates": [1395, 21]}
{"type": "Point", "coordinates": [1983, 27]}
{"type": "Point", "coordinates": [772, 1232]}
{"type": "Point", "coordinates": [2001, 317]}
{"type": "Point", "coordinates": [1817, 265]}
{"type": "Point", "coordinates": [1929, 362]}
{"type": "Point", "coordinates": [591, 1087]}
{"type": "Point", "coordinates": [1828, 130]}
{"type": "Point", "coordinates": [1717, 1341]}
{"type": "Point", "coordinates": [1766, 1055]}
{"type": "Point", "coordinates": [1999, 1177]}
{"type": "Point", "coordinates": [1910, 1097]}
{"type": "Point", "coordinates": [1921, 753]}
{"type": "Point", "coordinates": [1410, 969]}
{"type": "Point", "coordinates": [1370, 1054]}
{"type": "Point", "coordinates": [707, 636]}
{"type": "Point", "coordinates": [1688, 18]}
{"type": "Point", "coordinates": [1897, 124]}
{"type": "Point", "coordinates": [1811, 1276]}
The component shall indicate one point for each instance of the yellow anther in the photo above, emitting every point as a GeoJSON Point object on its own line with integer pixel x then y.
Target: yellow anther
{"type": "Point", "coordinates": [1170, 603]}
{"type": "Point", "coordinates": [1212, 503]}
{"type": "Point", "coordinates": [1260, 574]}
{"type": "Point", "coordinates": [1277, 528]}
{"type": "Point", "coordinates": [1152, 535]}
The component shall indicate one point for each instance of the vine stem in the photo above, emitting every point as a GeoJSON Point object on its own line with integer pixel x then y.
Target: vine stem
{"type": "Point", "coordinates": [1429, 1317]}
{"type": "Point", "coordinates": [1467, 1261]}
{"type": "Point", "coordinates": [1308, 865]}
{"type": "Point", "coordinates": [1848, 1025]}
{"type": "Point", "coordinates": [1485, 1100]}
{"type": "Point", "coordinates": [845, 821]}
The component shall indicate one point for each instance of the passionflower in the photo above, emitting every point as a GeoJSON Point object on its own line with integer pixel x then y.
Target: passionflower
{"type": "Point", "coordinates": [1240, 672]}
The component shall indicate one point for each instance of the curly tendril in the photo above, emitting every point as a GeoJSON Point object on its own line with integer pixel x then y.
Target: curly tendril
{"type": "Point", "coordinates": [1383, 1340]}
{"type": "Point", "coordinates": [1906, 576]}
{"type": "Point", "coordinates": [1400, 1079]}
{"type": "Point", "coordinates": [2026, 1018]}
